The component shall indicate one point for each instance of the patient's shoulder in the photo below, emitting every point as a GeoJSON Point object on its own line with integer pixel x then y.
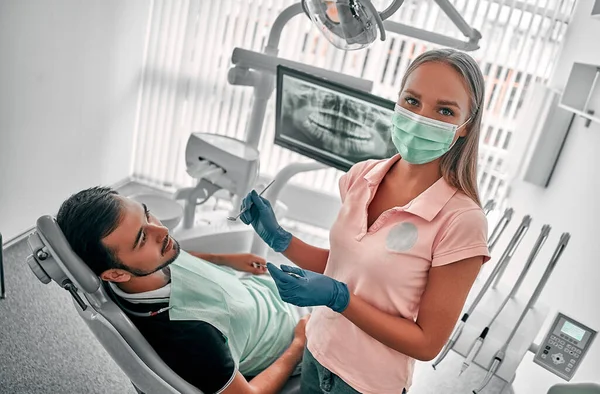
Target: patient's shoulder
{"type": "Point", "coordinates": [195, 350]}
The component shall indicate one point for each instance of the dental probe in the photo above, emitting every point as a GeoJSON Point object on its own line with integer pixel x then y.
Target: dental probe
{"type": "Point", "coordinates": [233, 219]}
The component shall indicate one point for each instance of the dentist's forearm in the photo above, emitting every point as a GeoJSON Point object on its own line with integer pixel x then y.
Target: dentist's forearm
{"type": "Point", "coordinates": [307, 256]}
{"type": "Point", "coordinates": [400, 334]}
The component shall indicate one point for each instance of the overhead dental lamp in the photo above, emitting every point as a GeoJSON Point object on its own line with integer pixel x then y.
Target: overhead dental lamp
{"type": "Point", "coordinates": [347, 24]}
{"type": "Point", "coordinates": [355, 24]}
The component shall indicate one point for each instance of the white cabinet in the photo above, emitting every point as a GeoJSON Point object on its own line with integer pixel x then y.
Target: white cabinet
{"type": "Point", "coordinates": [582, 92]}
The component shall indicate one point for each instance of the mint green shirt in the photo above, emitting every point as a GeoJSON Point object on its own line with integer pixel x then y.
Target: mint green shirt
{"type": "Point", "coordinates": [248, 310]}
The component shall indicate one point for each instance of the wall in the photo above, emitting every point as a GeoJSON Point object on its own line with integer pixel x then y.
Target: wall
{"type": "Point", "coordinates": [69, 78]}
{"type": "Point", "coordinates": [569, 204]}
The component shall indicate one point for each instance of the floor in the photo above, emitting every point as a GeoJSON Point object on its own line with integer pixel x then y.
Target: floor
{"type": "Point", "coordinates": [46, 348]}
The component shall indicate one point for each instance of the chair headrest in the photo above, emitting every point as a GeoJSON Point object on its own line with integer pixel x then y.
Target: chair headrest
{"type": "Point", "coordinates": [65, 262]}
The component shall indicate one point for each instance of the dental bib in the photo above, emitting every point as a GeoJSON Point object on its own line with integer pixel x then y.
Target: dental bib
{"type": "Point", "coordinates": [248, 311]}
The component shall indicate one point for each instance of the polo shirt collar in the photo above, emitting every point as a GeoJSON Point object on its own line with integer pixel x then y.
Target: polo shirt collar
{"type": "Point", "coordinates": [427, 204]}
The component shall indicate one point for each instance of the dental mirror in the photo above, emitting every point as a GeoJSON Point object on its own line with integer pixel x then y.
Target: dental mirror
{"type": "Point", "coordinates": [233, 219]}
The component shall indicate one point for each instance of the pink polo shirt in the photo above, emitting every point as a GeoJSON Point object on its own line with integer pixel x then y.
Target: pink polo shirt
{"type": "Point", "coordinates": [387, 266]}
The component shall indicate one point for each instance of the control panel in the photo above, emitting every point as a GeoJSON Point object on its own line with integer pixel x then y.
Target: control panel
{"type": "Point", "coordinates": [564, 346]}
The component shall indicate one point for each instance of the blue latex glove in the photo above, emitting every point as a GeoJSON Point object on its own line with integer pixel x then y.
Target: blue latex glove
{"type": "Point", "coordinates": [261, 216]}
{"type": "Point", "coordinates": [310, 288]}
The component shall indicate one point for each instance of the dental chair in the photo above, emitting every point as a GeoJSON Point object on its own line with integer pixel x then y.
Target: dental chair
{"type": "Point", "coordinates": [52, 259]}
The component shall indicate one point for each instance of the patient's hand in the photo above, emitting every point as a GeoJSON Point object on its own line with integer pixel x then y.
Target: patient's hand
{"type": "Point", "coordinates": [246, 262]}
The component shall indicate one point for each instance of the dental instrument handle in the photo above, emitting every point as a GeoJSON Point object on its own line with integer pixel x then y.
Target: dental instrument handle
{"type": "Point", "coordinates": [562, 244]}
{"type": "Point", "coordinates": [451, 341]}
{"type": "Point", "coordinates": [514, 242]}
{"type": "Point", "coordinates": [488, 377]}
{"type": "Point", "coordinates": [496, 233]}
{"type": "Point", "coordinates": [534, 252]}
{"type": "Point", "coordinates": [474, 350]}
{"type": "Point", "coordinates": [479, 342]}
{"type": "Point", "coordinates": [564, 240]}
{"type": "Point", "coordinates": [500, 227]}
{"type": "Point", "coordinates": [532, 256]}
{"type": "Point", "coordinates": [489, 206]}
{"type": "Point", "coordinates": [502, 267]}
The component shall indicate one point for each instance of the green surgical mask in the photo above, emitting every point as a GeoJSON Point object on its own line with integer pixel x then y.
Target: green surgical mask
{"type": "Point", "coordinates": [421, 140]}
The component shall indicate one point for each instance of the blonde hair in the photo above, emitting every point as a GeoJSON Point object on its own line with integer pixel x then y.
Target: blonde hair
{"type": "Point", "coordinates": [459, 165]}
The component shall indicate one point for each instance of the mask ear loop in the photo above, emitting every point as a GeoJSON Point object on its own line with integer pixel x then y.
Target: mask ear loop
{"type": "Point", "coordinates": [463, 124]}
{"type": "Point", "coordinates": [456, 140]}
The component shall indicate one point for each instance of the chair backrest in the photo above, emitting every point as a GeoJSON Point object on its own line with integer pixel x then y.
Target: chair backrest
{"type": "Point", "coordinates": [53, 259]}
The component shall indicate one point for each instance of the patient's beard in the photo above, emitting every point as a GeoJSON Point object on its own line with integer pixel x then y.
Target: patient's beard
{"type": "Point", "coordinates": [164, 266]}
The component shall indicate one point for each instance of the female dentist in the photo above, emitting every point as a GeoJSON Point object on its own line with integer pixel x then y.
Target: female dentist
{"type": "Point", "coordinates": [406, 246]}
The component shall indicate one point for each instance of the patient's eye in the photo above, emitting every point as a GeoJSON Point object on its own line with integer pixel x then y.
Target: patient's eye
{"type": "Point", "coordinates": [147, 213]}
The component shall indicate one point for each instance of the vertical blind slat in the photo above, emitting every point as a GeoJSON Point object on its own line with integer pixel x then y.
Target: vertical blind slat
{"type": "Point", "coordinates": [187, 58]}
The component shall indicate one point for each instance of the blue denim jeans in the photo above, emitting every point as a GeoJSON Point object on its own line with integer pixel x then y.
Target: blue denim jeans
{"type": "Point", "coordinates": [316, 379]}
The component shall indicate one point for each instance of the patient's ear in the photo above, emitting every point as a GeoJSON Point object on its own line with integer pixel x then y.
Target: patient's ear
{"type": "Point", "coordinates": [115, 275]}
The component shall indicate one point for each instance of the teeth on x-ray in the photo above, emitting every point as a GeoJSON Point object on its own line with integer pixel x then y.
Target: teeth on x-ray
{"type": "Point", "coordinates": [336, 123]}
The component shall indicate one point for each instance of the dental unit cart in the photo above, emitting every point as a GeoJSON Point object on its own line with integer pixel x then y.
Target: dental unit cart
{"type": "Point", "coordinates": [564, 346]}
{"type": "Point", "coordinates": [520, 319]}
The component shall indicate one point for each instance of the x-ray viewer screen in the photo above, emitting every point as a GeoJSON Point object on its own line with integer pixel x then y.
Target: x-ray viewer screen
{"type": "Point", "coordinates": [329, 122]}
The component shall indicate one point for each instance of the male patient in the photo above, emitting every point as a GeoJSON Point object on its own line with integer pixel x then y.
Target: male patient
{"type": "Point", "coordinates": [211, 326]}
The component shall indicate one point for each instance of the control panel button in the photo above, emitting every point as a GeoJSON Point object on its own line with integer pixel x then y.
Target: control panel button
{"type": "Point", "coordinates": [553, 337]}
{"type": "Point", "coordinates": [547, 347]}
{"type": "Point", "coordinates": [545, 352]}
{"type": "Point", "coordinates": [544, 355]}
{"type": "Point", "coordinates": [560, 346]}
{"type": "Point", "coordinates": [570, 365]}
{"type": "Point", "coordinates": [576, 355]}
{"type": "Point", "coordinates": [562, 342]}
{"type": "Point", "coordinates": [568, 369]}
{"type": "Point", "coordinates": [558, 358]}
{"type": "Point", "coordinates": [572, 361]}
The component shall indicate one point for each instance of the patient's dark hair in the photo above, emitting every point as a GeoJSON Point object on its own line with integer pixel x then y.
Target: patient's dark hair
{"type": "Point", "coordinates": [87, 217]}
